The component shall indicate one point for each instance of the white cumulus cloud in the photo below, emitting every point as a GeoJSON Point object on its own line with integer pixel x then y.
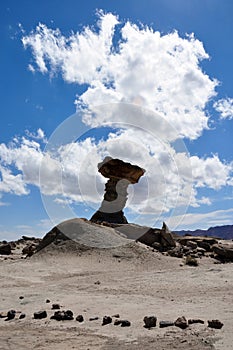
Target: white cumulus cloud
{"type": "Point", "coordinates": [161, 71]}
{"type": "Point", "coordinates": [225, 107]}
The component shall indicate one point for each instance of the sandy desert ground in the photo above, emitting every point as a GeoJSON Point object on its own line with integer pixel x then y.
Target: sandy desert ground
{"type": "Point", "coordinates": [132, 281]}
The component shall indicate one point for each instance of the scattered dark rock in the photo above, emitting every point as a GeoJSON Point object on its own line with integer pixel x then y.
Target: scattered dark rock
{"type": "Point", "coordinates": [5, 249]}
{"type": "Point", "coordinates": [215, 324]}
{"type": "Point", "coordinates": [93, 318]}
{"type": "Point", "coordinates": [116, 316]}
{"type": "Point", "coordinates": [176, 252]}
{"type": "Point", "coordinates": [195, 320]}
{"type": "Point", "coordinates": [22, 316]}
{"type": "Point", "coordinates": [40, 314]}
{"type": "Point", "coordinates": [47, 301]}
{"type": "Point", "coordinates": [21, 297]}
{"type": "Point", "coordinates": [10, 315]}
{"type": "Point", "coordinates": [150, 321]}
{"type": "Point", "coordinates": [80, 318]}
{"type": "Point", "coordinates": [117, 322]}
{"type": "Point", "coordinates": [163, 324]}
{"type": "Point", "coordinates": [200, 240]}
{"type": "Point", "coordinates": [125, 323]}
{"type": "Point", "coordinates": [62, 316]}
{"type": "Point", "coordinates": [224, 250]}
{"type": "Point", "coordinates": [106, 320]}
{"type": "Point", "coordinates": [97, 282]}
{"type": "Point", "coordinates": [56, 306]}
{"type": "Point", "coordinates": [181, 322]}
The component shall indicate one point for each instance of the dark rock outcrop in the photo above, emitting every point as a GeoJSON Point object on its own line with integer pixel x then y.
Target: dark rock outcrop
{"type": "Point", "coordinates": [162, 238]}
{"type": "Point", "coordinates": [224, 250]}
{"type": "Point", "coordinates": [5, 249]}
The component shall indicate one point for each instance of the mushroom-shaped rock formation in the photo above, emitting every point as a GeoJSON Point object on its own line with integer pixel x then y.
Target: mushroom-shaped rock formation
{"type": "Point", "coordinates": [120, 175]}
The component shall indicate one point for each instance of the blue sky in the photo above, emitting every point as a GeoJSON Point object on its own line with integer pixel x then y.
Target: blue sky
{"type": "Point", "coordinates": [35, 101]}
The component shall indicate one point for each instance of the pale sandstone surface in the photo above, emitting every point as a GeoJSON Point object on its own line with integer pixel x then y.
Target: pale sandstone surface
{"type": "Point", "coordinates": [133, 281]}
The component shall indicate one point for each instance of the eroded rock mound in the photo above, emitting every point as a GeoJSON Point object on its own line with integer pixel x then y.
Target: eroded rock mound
{"type": "Point", "coordinates": [83, 235]}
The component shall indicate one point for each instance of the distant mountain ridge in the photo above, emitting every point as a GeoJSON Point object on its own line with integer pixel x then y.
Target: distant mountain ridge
{"type": "Point", "coordinates": [223, 232]}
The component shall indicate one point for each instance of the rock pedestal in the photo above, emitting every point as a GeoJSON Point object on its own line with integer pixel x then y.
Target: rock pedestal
{"type": "Point", "coordinates": [120, 175]}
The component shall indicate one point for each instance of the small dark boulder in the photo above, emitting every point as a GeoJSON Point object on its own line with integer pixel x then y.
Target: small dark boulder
{"type": "Point", "coordinates": [125, 323]}
{"type": "Point", "coordinates": [215, 324]}
{"type": "Point", "coordinates": [195, 320]}
{"type": "Point", "coordinates": [163, 324]}
{"type": "Point", "coordinates": [21, 316]}
{"type": "Point", "coordinates": [80, 318]}
{"type": "Point", "coordinates": [181, 322]}
{"type": "Point", "coordinates": [106, 320]}
{"type": "Point", "coordinates": [56, 306]}
{"type": "Point", "coordinates": [40, 314]}
{"type": "Point", "coordinates": [117, 322]}
{"type": "Point", "coordinates": [150, 321]}
{"type": "Point", "coordinates": [10, 315]}
{"type": "Point", "coordinates": [93, 318]}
